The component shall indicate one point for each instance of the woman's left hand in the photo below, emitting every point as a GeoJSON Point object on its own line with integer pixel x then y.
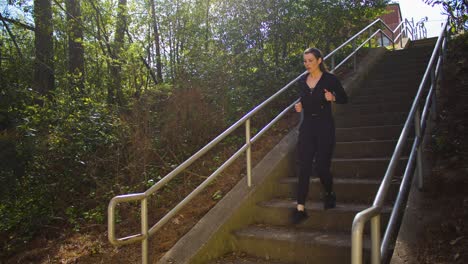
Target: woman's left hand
{"type": "Point", "coordinates": [329, 96]}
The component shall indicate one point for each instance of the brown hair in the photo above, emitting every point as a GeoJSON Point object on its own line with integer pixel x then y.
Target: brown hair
{"type": "Point", "coordinates": [317, 54]}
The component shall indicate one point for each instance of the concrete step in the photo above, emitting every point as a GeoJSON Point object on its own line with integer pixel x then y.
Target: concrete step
{"type": "Point", "coordinates": [423, 44]}
{"type": "Point", "coordinates": [277, 212]}
{"type": "Point", "coordinates": [371, 119]}
{"type": "Point", "coordinates": [364, 149]}
{"type": "Point", "coordinates": [406, 92]}
{"type": "Point", "coordinates": [398, 96]}
{"type": "Point", "coordinates": [352, 109]}
{"type": "Point", "coordinates": [297, 245]}
{"type": "Point", "coordinates": [386, 82]}
{"type": "Point", "coordinates": [388, 87]}
{"type": "Point", "coordinates": [399, 66]}
{"type": "Point", "coordinates": [411, 52]}
{"type": "Point", "coordinates": [368, 133]}
{"type": "Point", "coordinates": [426, 43]}
{"type": "Point", "coordinates": [361, 191]}
{"type": "Point", "coordinates": [243, 258]}
{"type": "Point", "coordinates": [364, 167]}
{"type": "Point", "coordinates": [402, 57]}
{"type": "Point", "coordinates": [403, 61]}
{"type": "Point", "coordinates": [416, 73]}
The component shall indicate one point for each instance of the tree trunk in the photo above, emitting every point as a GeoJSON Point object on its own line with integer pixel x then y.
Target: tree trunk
{"type": "Point", "coordinates": [75, 47]}
{"type": "Point", "coordinates": [156, 42]}
{"type": "Point", "coordinates": [43, 81]}
{"type": "Point", "coordinates": [115, 90]}
{"type": "Point", "coordinates": [207, 22]}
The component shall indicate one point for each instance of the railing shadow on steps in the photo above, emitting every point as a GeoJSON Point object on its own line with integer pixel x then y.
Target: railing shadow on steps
{"type": "Point", "coordinates": [382, 249]}
{"type": "Point", "coordinates": [402, 30]}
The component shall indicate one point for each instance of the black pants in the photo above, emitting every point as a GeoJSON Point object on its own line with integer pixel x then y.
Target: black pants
{"type": "Point", "coordinates": [316, 142]}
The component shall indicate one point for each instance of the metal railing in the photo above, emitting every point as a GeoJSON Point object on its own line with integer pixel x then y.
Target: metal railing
{"type": "Point", "coordinates": [418, 31]}
{"type": "Point", "coordinates": [147, 232]}
{"type": "Point", "coordinates": [382, 250]}
{"type": "Point", "coordinates": [421, 31]}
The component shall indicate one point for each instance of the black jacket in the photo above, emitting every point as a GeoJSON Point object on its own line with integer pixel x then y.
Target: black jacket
{"type": "Point", "coordinates": [313, 100]}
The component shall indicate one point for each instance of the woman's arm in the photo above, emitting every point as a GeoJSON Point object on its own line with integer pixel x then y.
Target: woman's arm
{"type": "Point", "coordinates": [339, 93]}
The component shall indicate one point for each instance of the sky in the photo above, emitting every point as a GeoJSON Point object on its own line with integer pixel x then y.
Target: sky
{"type": "Point", "coordinates": [417, 9]}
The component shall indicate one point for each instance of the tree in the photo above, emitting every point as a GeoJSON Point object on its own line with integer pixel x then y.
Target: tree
{"type": "Point", "coordinates": [44, 78]}
{"type": "Point", "coordinates": [115, 94]}
{"type": "Point", "coordinates": [156, 41]}
{"type": "Point", "coordinates": [76, 67]}
{"type": "Point", "coordinates": [456, 9]}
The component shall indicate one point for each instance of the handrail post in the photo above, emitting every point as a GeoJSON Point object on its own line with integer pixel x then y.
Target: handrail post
{"type": "Point", "coordinates": [144, 231]}
{"type": "Point", "coordinates": [333, 62]}
{"type": "Point", "coordinates": [375, 239]}
{"type": "Point", "coordinates": [406, 29]}
{"type": "Point", "coordinates": [417, 127]}
{"type": "Point", "coordinates": [445, 45]}
{"type": "Point", "coordinates": [370, 40]}
{"type": "Point", "coordinates": [356, 242]}
{"type": "Point", "coordinates": [381, 38]}
{"type": "Point", "coordinates": [442, 60]}
{"type": "Point", "coordinates": [248, 152]}
{"type": "Point", "coordinates": [434, 94]}
{"type": "Point", "coordinates": [401, 37]}
{"type": "Point", "coordinates": [354, 56]}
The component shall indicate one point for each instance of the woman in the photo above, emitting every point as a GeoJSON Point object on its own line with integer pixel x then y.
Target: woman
{"type": "Point", "coordinates": [318, 89]}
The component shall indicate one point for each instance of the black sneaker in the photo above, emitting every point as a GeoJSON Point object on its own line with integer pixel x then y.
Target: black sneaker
{"type": "Point", "coordinates": [298, 217]}
{"type": "Point", "coordinates": [329, 200]}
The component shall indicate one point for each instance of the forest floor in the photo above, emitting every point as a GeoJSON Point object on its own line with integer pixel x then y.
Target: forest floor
{"type": "Point", "coordinates": [444, 237]}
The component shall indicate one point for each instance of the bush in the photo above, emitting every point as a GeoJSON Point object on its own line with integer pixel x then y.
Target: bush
{"type": "Point", "coordinates": [55, 160]}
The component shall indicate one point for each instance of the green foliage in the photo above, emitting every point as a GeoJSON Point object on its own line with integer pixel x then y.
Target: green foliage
{"type": "Point", "coordinates": [55, 164]}
{"type": "Point", "coordinates": [457, 10]}
{"type": "Point", "coordinates": [65, 154]}
{"type": "Point", "coordinates": [23, 213]}
{"type": "Point", "coordinates": [217, 195]}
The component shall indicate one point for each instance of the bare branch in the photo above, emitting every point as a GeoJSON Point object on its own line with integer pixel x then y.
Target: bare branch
{"type": "Point", "coordinates": [16, 22]}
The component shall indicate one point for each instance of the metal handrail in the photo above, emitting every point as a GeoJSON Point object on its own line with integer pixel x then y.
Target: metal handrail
{"type": "Point", "coordinates": [409, 27]}
{"type": "Point", "coordinates": [146, 232]}
{"type": "Point", "coordinates": [381, 250]}
{"type": "Point", "coordinates": [421, 28]}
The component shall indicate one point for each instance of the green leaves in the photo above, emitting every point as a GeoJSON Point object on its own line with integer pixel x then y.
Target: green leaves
{"type": "Point", "coordinates": [110, 128]}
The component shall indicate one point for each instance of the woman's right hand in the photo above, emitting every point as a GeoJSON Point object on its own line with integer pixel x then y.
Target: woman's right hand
{"type": "Point", "coordinates": [298, 107]}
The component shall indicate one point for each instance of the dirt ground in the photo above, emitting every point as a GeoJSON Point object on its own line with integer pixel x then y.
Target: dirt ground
{"type": "Point", "coordinates": [445, 199]}
{"type": "Point", "coordinates": [439, 214]}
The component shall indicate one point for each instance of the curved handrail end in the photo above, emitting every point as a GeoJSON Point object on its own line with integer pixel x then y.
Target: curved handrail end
{"type": "Point", "coordinates": [362, 217]}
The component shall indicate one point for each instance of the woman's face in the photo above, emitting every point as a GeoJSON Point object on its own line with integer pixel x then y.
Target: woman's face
{"type": "Point", "coordinates": [311, 63]}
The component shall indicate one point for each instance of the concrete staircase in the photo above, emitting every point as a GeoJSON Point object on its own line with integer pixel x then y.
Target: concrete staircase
{"type": "Point", "coordinates": [367, 130]}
